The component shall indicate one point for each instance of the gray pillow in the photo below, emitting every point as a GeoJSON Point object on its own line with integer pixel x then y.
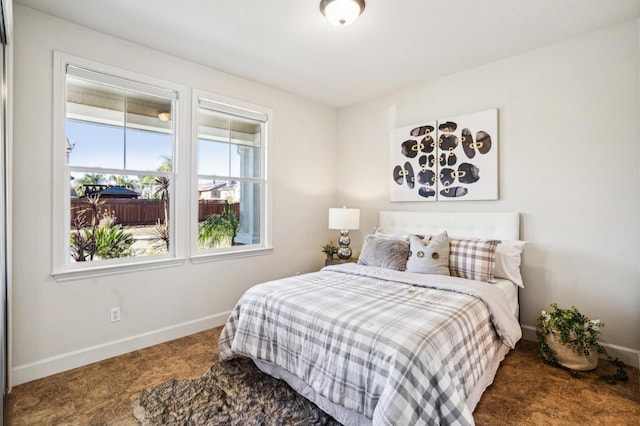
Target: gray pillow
{"type": "Point", "coordinates": [429, 257]}
{"type": "Point", "coordinates": [384, 253]}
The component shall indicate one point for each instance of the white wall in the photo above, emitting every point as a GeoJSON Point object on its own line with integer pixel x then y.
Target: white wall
{"type": "Point", "coordinates": [56, 326]}
{"type": "Point", "coordinates": [568, 162]}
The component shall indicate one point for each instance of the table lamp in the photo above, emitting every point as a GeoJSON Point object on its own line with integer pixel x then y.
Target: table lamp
{"type": "Point", "coordinates": [344, 219]}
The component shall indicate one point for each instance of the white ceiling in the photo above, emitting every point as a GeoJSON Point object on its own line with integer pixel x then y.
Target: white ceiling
{"type": "Point", "coordinates": [288, 44]}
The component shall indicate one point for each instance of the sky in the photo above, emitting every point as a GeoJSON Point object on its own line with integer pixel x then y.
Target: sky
{"type": "Point", "coordinates": [99, 145]}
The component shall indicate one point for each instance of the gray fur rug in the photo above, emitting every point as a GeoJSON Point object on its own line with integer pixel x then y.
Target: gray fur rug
{"type": "Point", "coordinates": [234, 392]}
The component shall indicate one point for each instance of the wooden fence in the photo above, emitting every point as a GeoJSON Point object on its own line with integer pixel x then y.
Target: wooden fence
{"type": "Point", "coordinates": [143, 212]}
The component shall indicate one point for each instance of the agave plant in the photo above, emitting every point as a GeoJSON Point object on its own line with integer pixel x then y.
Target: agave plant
{"type": "Point", "coordinates": [81, 241]}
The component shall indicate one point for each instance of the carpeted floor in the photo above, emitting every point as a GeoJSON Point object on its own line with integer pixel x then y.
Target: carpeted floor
{"type": "Point", "coordinates": [525, 391]}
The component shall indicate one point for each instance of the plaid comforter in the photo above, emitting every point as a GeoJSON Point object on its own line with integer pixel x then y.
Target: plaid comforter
{"type": "Point", "coordinates": [400, 348]}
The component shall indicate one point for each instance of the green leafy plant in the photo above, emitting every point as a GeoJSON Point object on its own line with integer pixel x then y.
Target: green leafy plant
{"type": "Point", "coordinates": [219, 230]}
{"type": "Point", "coordinates": [329, 249]}
{"type": "Point", "coordinates": [103, 238]}
{"type": "Point", "coordinates": [112, 241]}
{"type": "Point", "coordinates": [577, 332]}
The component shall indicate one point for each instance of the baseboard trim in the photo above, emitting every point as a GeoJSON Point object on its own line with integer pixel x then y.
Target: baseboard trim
{"type": "Point", "coordinates": [67, 361]}
{"type": "Point", "coordinates": [70, 360]}
{"type": "Point", "coordinates": [629, 356]}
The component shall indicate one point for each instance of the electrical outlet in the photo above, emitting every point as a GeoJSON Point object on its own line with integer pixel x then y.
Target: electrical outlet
{"type": "Point", "coordinates": [115, 314]}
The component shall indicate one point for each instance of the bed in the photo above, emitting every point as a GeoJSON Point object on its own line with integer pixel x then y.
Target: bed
{"type": "Point", "coordinates": [375, 343]}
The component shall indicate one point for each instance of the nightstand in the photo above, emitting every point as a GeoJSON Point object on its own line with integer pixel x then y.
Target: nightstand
{"type": "Point", "coordinates": [328, 262]}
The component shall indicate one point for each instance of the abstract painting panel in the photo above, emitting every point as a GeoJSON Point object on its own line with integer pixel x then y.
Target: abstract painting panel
{"type": "Point", "coordinates": [455, 158]}
{"type": "Point", "coordinates": [413, 163]}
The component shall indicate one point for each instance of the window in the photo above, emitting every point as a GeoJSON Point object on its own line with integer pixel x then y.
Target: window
{"type": "Point", "coordinates": [120, 165]}
{"type": "Point", "coordinates": [230, 172]}
{"type": "Point", "coordinates": [123, 158]}
{"type": "Point", "coordinates": [118, 184]}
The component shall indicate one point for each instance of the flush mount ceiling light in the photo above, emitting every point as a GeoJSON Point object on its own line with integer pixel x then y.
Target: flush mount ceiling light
{"type": "Point", "coordinates": [341, 12]}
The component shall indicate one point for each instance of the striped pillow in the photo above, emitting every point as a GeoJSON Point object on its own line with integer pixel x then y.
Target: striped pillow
{"type": "Point", "coordinates": [472, 259]}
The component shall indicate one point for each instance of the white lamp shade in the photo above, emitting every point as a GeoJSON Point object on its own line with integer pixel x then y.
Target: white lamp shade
{"type": "Point", "coordinates": [344, 218]}
{"type": "Point", "coordinates": [342, 12]}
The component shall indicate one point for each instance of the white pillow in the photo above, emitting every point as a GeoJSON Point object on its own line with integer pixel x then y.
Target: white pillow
{"type": "Point", "coordinates": [508, 261]}
{"type": "Point", "coordinates": [379, 233]}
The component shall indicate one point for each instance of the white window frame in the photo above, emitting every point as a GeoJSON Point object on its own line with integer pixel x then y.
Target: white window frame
{"type": "Point", "coordinates": [242, 109]}
{"type": "Point", "coordinates": [63, 269]}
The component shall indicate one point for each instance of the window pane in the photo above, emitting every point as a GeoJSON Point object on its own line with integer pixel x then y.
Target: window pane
{"type": "Point", "coordinates": [98, 136]}
{"type": "Point", "coordinates": [213, 125]}
{"type": "Point", "coordinates": [228, 214]}
{"type": "Point", "coordinates": [119, 147]}
{"type": "Point", "coordinates": [114, 216]}
{"type": "Point", "coordinates": [218, 213]}
{"type": "Point", "coordinates": [148, 136]}
{"type": "Point", "coordinates": [94, 125]}
{"type": "Point", "coordinates": [94, 145]}
{"type": "Point", "coordinates": [146, 150]}
{"type": "Point", "coordinates": [213, 158]}
{"type": "Point", "coordinates": [100, 145]}
{"type": "Point", "coordinates": [246, 137]}
{"type": "Point", "coordinates": [245, 161]}
{"type": "Point", "coordinates": [245, 132]}
{"type": "Point", "coordinates": [218, 190]}
{"type": "Point", "coordinates": [228, 146]}
{"type": "Point", "coordinates": [250, 224]}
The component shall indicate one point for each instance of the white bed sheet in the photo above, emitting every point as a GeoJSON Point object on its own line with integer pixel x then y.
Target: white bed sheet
{"type": "Point", "coordinates": [511, 290]}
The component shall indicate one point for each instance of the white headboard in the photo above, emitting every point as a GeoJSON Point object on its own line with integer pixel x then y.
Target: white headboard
{"type": "Point", "coordinates": [486, 225]}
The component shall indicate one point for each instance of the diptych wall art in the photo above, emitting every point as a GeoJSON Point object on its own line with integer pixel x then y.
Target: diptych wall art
{"type": "Point", "coordinates": [455, 159]}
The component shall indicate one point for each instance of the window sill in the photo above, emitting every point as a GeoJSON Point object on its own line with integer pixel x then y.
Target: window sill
{"type": "Point", "coordinates": [100, 271]}
{"type": "Point", "coordinates": [231, 254]}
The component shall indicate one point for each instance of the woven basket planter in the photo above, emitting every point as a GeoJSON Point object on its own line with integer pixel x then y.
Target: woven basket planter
{"type": "Point", "coordinates": [567, 358]}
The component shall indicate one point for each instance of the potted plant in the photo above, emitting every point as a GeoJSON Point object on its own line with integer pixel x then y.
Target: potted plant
{"type": "Point", "coordinates": [568, 339]}
{"type": "Point", "coordinates": [329, 249]}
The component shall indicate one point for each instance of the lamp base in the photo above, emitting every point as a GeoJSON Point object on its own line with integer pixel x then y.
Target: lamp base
{"type": "Point", "coordinates": [344, 252]}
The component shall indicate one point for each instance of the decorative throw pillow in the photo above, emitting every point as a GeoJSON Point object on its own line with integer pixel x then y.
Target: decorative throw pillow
{"type": "Point", "coordinates": [508, 261]}
{"type": "Point", "coordinates": [384, 253]}
{"type": "Point", "coordinates": [429, 256]}
{"type": "Point", "coordinates": [472, 259]}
